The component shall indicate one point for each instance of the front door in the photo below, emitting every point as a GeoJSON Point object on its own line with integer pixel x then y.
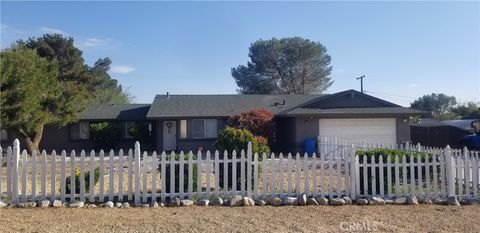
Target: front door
{"type": "Point", "coordinates": [169, 135]}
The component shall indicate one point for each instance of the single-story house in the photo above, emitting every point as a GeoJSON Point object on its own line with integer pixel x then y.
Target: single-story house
{"type": "Point", "coordinates": [188, 122]}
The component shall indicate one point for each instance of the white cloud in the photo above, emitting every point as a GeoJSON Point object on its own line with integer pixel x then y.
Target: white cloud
{"type": "Point", "coordinates": [97, 42]}
{"type": "Point", "coordinates": [413, 85]}
{"type": "Point", "coordinates": [122, 69]}
{"type": "Point", "coordinates": [53, 30]}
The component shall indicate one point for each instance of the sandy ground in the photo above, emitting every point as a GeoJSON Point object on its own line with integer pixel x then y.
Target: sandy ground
{"type": "Point", "coordinates": [421, 218]}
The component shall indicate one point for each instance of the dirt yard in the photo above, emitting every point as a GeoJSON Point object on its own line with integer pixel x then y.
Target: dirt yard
{"type": "Point", "coordinates": [421, 218]}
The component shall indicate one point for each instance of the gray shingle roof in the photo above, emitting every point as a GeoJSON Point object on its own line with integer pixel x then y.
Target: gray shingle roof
{"type": "Point", "coordinates": [356, 111]}
{"type": "Point", "coordinates": [117, 112]}
{"type": "Point", "coordinates": [221, 105]}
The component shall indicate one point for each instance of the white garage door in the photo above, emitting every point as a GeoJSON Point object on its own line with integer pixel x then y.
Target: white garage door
{"type": "Point", "coordinates": [375, 130]}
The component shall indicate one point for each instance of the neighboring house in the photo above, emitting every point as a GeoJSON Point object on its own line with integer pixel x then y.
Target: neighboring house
{"type": "Point", "coordinates": [434, 133]}
{"type": "Point", "coordinates": [191, 122]}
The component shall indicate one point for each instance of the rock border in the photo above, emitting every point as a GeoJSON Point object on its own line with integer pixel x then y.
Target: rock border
{"type": "Point", "coordinates": [238, 200]}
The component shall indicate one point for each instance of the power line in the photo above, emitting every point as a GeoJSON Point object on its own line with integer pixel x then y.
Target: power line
{"type": "Point", "coordinates": [400, 96]}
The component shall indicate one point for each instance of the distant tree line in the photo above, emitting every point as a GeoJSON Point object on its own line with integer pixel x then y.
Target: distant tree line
{"type": "Point", "coordinates": [445, 107]}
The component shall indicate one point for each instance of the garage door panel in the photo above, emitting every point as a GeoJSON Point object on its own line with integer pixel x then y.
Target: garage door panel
{"type": "Point", "coordinates": [376, 130]}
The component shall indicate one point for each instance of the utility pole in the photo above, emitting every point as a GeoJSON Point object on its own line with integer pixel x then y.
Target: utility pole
{"type": "Point", "coordinates": [361, 82]}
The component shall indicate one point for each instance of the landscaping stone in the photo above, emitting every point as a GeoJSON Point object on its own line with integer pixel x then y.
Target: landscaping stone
{"type": "Point", "coordinates": [377, 201]}
{"type": "Point", "coordinates": [428, 201]}
{"type": "Point", "coordinates": [20, 205]}
{"type": "Point", "coordinates": [337, 201]}
{"type": "Point", "coordinates": [30, 204]}
{"type": "Point", "coordinates": [303, 199]}
{"type": "Point", "coordinates": [236, 200]}
{"type": "Point", "coordinates": [388, 201]}
{"type": "Point", "coordinates": [276, 201]}
{"type": "Point", "coordinates": [109, 204]}
{"type": "Point", "coordinates": [203, 202]}
{"type": "Point", "coordinates": [248, 201]}
{"type": "Point", "coordinates": [260, 202]}
{"type": "Point", "coordinates": [175, 202]}
{"type": "Point", "coordinates": [57, 204]}
{"type": "Point", "coordinates": [439, 201]}
{"type": "Point", "coordinates": [92, 206]}
{"type": "Point", "coordinates": [77, 204]}
{"type": "Point", "coordinates": [145, 205]}
{"type": "Point", "coordinates": [43, 203]}
{"type": "Point", "coordinates": [312, 201]}
{"type": "Point", "coordinates": [412, 200]}
{"type": "Point", "coordinates": [3, 205]}
{"type": "Point", "coordinates": [226, 202]}
{"type": "Point", "coordinates": [290, 201]}
{"type": "Point", "coordinates": [400, 201]}
{"type": "Point", "coordinates": [154, 204]}
{"type": "Point", "coordinates": [362, 201]}
{"type": "Point", "coordinates": [470, 201]}
{"type": "Point", "coordinates": [217, 201]}
{"type": "Point", "coordinates": [186, 202]}
{"type": "Point", "coordinates": [125, 205]}
{"type": "Point", "coordinates": [453, 201]}
{"type": "Point", "coordinates": [322, 200]}
{"type": "Point", "coordinates": [118, 204]}
{"type": "Point", "coordinates": [348, 200]}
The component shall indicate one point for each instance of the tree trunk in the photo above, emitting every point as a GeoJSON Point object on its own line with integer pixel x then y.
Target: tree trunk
{"type": "Point", "coordinates": [32, 141]}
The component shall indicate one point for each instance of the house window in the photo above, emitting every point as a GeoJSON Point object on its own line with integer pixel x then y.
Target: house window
{"type": "Point", "coordinates": [80, 130]}
{"type": "Point", "coordinates": [128, 125]}
{"type": "Point", "coordinates": [204, 128]}
{"type": "Point", "coordinates": [3, 135]}
{"type": "Point", "coordinates": [183, 128]}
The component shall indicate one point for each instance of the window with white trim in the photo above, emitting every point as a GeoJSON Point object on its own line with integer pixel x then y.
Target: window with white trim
{"type": "Point", "coordinates": [80, 130]}
{"type": "Point", "coordinates": [204, 128]}
{"type": "Point", "coordinates": [183, 128]}
{"type": "Point", "coordinates": [128, 125]}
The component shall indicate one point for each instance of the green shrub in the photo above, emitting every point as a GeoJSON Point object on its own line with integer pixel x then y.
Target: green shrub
{"type": "Point", "coordinates": [392, 153]}
{"type": "Point", "coordinates": [230, 139]}
{"type": "Point", "coordinates": [105, 135]}
{"type": "Point", "coordinates": [177, 174]}
{"type": "Point", "coordinates": [96, 177]}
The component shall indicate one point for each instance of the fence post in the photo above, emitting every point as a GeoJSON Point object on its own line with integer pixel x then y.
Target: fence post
{"type": "Point", "coordinates": [449, 171]}
{"type": "Point", "coordinates": [137, 172]}
{"type": "Point", "coordinates": [249, 170]}
{"type": "Point", "coordinates": [16, 159]}
{"type": "Point", "coordinates": [353, 173]}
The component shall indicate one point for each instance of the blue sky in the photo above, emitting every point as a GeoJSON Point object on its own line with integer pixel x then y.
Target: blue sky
{"type": "Point", "coordinates": [405, 49]}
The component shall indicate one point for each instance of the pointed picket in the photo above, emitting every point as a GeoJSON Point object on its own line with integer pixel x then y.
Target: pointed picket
{"type": "Point", "coordinates": [62, 175]}
{"type": "Point", "coordinates": [242, 172]}
{"type": "Point", "coordinates": [72, 176]}
{"type": "Point", "coordinates": [190, 175]}
{"type": "Point", "coordinates": [24, 175]}
{"type": "Point", "coordinates": [163, 170]}
{"type": "Point", "coordinates": [217, 174]}
{"type": "Point", "coordinates": [330, 176]}
{"type": "Point", "coordinates": [373, 174]}
{"type": "Point", "coordinates": [255, 175]}
{"type": "Point", "coordinates": [289, 174]}
{"type": "Point", "coordinates": [297, 174]}
{"type": "Point", "coordinates": [82, 176]}
{"type": "Point", "coordinates": [389, 176]}
{"type": "Point", "coordinates": [9, 159]}
{"type": "Point", "coordinates": [53, 175]}
{"type": "Point", "coordinates": [34, 176]}
{"type": "Point", "coordinates": [91, 181]}
{"type": "Point", "coordinates": [154, 176]}
{"type": "Point", "coordinates": [144, 173]}
{"type": "Point", "coordinates": [280, 178]}
{"type": "Point", "coordinates": [181, 177]}
{"type": "Point", "coordinates": [306, 177]}
{"type": "Point", "coordinates": [381, 178]}
{"type": "Point", "coordinates": [412, 175]}
{"type": "Point", "coordinates": [404, 175]}
{"type": "Point", "coordinates": [130, 175]}
{"type": "Point", "coordinates": [234, 172]}
{"type": "Point", "coordinates": [199, 174]}
{"type": "Point", "coordinates": [43, 190]}
{"type": "Point", "coordinates": [272, 175]}
{"type": "Point", "coordinates": [264, 175]}
{"type": "Point", "coordinates": [458, 167]}
{"type": "Point", "coordinates": [249, 170]}
{"type": "Point", "coordinates": [225, 174]}
{"type": "Point", "coordinates": [419, 172]}
{"type": "Point", "coordinates": [101, 171]}
{"type": "Point", "coordinates": [208, 172]}
{"type": "Point", "coordinates": [322, 175]}
{"type": "Point", "coordinates": [136, 157]}
{"type": "Point", "coordinates": [365, 177]}
{"type": "Point", "coordinates": [120, 175]}
{"type": "Point", "coordinates": [339, 176]}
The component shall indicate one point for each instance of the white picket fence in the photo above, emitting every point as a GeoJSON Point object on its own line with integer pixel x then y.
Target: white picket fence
{"type": "Point", "coordinates": [142, 177]}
